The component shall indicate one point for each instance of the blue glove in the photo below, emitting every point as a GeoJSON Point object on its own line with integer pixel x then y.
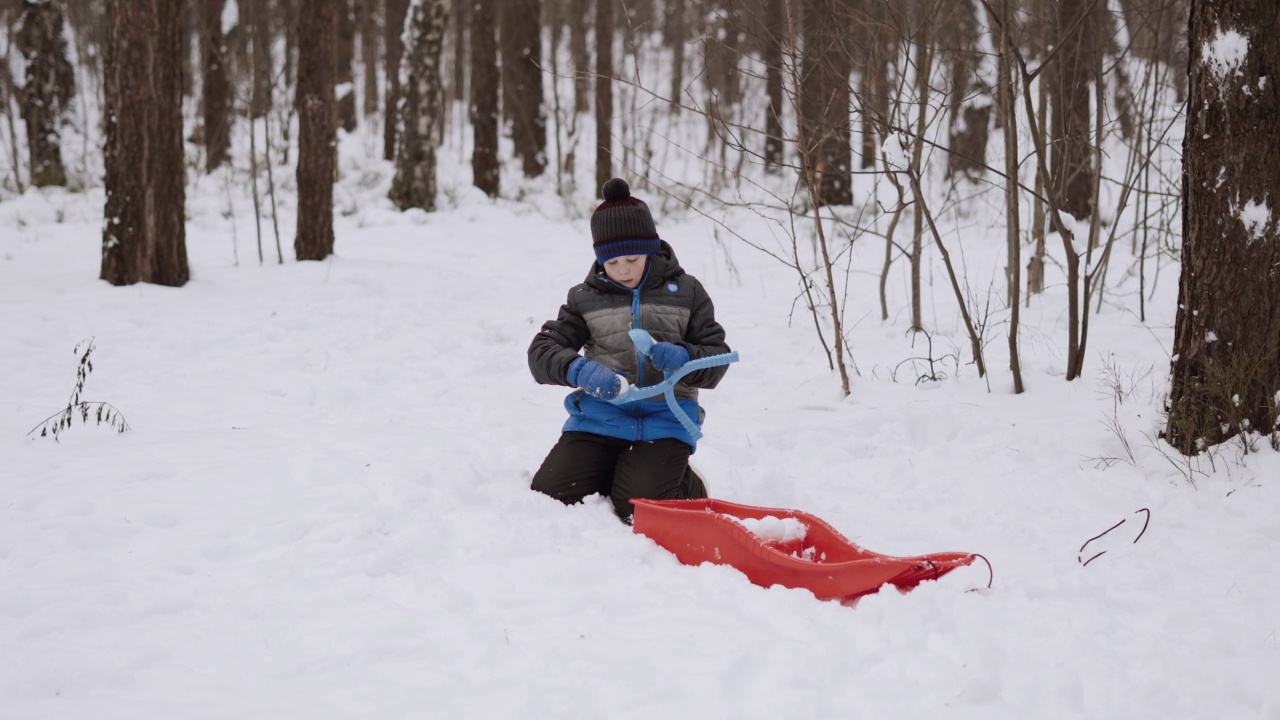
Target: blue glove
{"type": "Point", "coordinates": [668, 356]}
{"type": "Point", "coordinates": [598, 380]}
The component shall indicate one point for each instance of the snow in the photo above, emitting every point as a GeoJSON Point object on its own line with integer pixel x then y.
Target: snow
{"type": "Point", "coordinates": [896, 152]}
{"type": "Point", "coordinates": [1256, 217]}
{"type": "Point", "coordinates": [1225, 53]}
{"type": "Point", "coordinates": [322, 510]}
{"type": "Point", "coordinates": [230, 16]}
{"type": "Point", "coordinates": [773, 528]}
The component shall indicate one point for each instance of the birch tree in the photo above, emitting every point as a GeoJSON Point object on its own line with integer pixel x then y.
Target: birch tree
{"type": "Point", "coordinates": [421, 106]}
{"type": "Point", "coordinates": [49, 87]}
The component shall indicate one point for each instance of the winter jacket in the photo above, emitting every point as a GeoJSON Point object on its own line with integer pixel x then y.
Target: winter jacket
{"type": "Point", "coordinates": [673, 306]}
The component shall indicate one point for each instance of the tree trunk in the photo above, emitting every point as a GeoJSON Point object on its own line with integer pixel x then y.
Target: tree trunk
{"type": "Point", "coordinates": [522, 63]}
{"type": "Point", "coordinates": [1070, 78]}
{"type": "Point", "coordinates": [969, 102]}
{"type": "Point", "coordinates": [923, 70]}
{"type": "Point", "coordinates": [506, 14]}
{"type": "Point", "coordinates": [461, 51]}
{"type": "Point", "coordinates": [824, 95]}
{"type": "Point", "coordinates": [88, 21]}
{"type": "Point", "coordinates": [415, 182]}
{"type": "Point", "coordinates": [289, 19]}
{"type": "Point", "coordinates": [394, 14]}
{"type": "Point", "coordinates": [675, 33]}
{"type": "Point", "coordinates": [721, 50]}
{"type": "Point", "coordinates": [1013, 231]}
{"type": "Point", "coordinates": [1156, 33]}
{"type": "Point", "coordinates": [260, 26]}
{"type": "Point", "coordinates": [604, 93]}
{"type": "Point", "coordinates": [1035, 266]}
{"type": "Point", "coordinates": [192, 20]}
{"type": "Point", "coordinates": [873, 43]}
{"type": "Point", "coordinates": [581, 55]}
{"type": "Point", "coordinates": [1226, 345]}
{"type": "Point", "coordinates": [345, 78]}
{"type": "Point", "coordinates": [317, 31]}
{"type": "Point", "coordinates": [217, 88]}
{"type": "Point", "coordinates": [484, 98]}
{"type": "Point", "coordinates": [50, 84]}
{"type": "Point", "coordinates": [143, 236]}
{"type": "Point", "coordinates": [773, 34]}
{"type": "Point", "coordinates": [369, 56]}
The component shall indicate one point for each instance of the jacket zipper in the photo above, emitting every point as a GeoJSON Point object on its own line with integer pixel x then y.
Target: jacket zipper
{"type": "Point", "coordinates": [635, 323]}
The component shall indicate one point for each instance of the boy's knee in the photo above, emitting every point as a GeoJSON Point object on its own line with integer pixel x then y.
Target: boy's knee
{"type": "Point", "coordinates": [569, 492]}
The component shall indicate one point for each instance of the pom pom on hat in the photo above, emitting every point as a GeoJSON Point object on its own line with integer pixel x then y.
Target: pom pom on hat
{"type": "Point", "coordinates": [615, 190]}
{"type": "Point", "coordinates": [622, 225]}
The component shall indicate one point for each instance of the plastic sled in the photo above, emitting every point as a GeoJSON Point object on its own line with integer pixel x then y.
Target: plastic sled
{"type": "Point", "coordinates": [822, 561]}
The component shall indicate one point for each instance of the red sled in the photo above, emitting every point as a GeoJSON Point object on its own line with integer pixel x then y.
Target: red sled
{"type": "Point", "coordinates": [820, 560]}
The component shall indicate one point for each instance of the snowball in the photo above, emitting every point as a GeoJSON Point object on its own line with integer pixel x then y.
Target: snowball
{"type": "Point", "coordinates": [772, 528]}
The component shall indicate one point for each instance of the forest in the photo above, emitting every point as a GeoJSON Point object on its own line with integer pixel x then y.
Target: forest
{"type": "Point", "coordinates": [1000, 277]}
{"type": "Point", "coordinates": [858, 121]}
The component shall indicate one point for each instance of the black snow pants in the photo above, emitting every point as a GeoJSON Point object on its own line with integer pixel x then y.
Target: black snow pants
{"type": "Point", "coordinates": [582, 464]}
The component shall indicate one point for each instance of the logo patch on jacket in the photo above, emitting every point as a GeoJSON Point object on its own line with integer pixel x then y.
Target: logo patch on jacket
{"type": "Point", "coordinates": [672, 287]}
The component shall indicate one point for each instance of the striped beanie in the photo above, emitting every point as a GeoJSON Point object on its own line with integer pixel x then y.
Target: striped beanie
{"type": "Point", "coordinates": [622, 224]}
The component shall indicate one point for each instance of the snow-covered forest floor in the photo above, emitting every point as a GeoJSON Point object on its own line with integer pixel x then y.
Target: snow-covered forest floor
{"type": "Point", "coordinates": [321, 506]}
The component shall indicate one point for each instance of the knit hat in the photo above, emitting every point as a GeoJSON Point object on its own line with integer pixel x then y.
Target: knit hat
{"type": "Point", "coordinates": [622, 224]}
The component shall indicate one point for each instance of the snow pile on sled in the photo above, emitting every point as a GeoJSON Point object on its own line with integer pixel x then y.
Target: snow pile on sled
{"type": "Point", "coordinates": [782, 547]}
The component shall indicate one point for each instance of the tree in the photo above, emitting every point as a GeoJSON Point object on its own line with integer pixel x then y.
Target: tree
{"type": "Point", "coordinates": [461, 49]}
{"type": "Point", "coordinates": [722, 47]}
{"type": "Point", "coordinates": [581, 53]}
{"type": "Point", "coordinates": [824, 101]}
{"type": "Point", "coordinates": [1226, 345]}
{"type": "Point", "coordinates": [143, 236]}
{"type": "Point", "coordinates": [604, 92]}
{"type": "Point", "coordinates": [522, 81]}
{"type": "Point", "coordinates": [369, 56]}
{"type": "Point", "coordinates": [259, 22]}
{"type": "Point", "coordinates": [50, 85]}
{"type": "Point", "coordinates": [217, 87]}
{"type": "Point", "coordinates": [317, 133]}
{"type": "Point", "coordinates": [345, 56]}
{"type": "Point", "coordinates": [773, 44]}
{"type": "Point", "coordinates": [1008, 115]}
{"type": "Point", "coordinates": [969, 102]}
{"type": "Point", "coordinates": [421, 107]}
{"type": "Point", "coordinates": [484, 99]}
{"type": "Point", "coordinates": [394, 12]}
{"type": "Point", "coordinates": [1070, 81]}
{"type": "Point", "coordinates": [875, 43]}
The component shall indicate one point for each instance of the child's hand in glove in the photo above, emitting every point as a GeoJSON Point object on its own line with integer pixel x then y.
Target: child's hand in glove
{"type": "Point", "coordinates": [668, 356]}
{"type": "Point", "coordinates": [598, 380]}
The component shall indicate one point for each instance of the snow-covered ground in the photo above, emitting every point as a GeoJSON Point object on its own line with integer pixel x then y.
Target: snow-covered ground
{"type": "Point", "coordinates": [321, 509]}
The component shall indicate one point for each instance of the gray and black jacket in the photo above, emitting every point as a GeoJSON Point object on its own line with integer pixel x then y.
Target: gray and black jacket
{"type": "Point", "coordinates": [669, 303]}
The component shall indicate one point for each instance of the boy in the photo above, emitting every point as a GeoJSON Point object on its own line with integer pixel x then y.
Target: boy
{"type": "Point", "coordinates": [637, 449]}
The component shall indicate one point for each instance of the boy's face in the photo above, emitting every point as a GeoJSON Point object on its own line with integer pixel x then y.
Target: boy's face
{"type": "Point", "coordinates": [626, 270]}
